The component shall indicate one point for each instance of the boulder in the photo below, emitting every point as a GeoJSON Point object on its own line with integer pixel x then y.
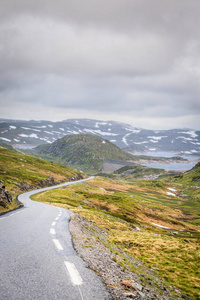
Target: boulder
{"type": "Point", "coordinates": [49, 181]}
{"type": "Point", "coordinates": [24, 186]}
{"type": "Point", "coordinates": [5, 196]}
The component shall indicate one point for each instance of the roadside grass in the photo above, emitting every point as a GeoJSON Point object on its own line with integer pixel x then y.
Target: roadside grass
{"type": "Point", "coordinates": [126, 211]}
{"type": "Point", "coordinates": [16, 168]}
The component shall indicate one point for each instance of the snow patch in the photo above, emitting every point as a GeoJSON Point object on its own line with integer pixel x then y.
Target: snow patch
{"type": "Point", "coordinates": [73, 132]}
{"type": "Point", "coordinates": [33, 135]}
{"type": "Point", "coordinates": [48, 132]}
{"type": "Point", "coordinates": [44, 126]}
{"type": "Point", "coordinates": [160, 226]}
{"type": "Point", "coordinates": [133, 130]}
{"type": "Point", "coordinates": [190, 132]}
{"type": "Point", "coordinates": [5, 139]}
{"type": "Point", "coordinates": [33, 129]}
{"type": "Point", "coordinates": [195, 143]}
{"type": "Point", "coordinates": [186, 139]}
{"type": "Point", "coordinates": [37, 130]}
{"type": "Point", "coordinates": [172, 189]}
{"type": "Point", "coordinates": [139, 143]}
{"type": "Point", "coordinates": [23, 135]}
{"type": "Point", "coordinates": [171, 194]}
{"type": "Point", "coordinates": [62, 129]}
{"type": "Point", "coordinates": [100, 132]}
{"type": "Point", "coordinates": [157, 138]}
{"type": "Point", "coordinates": [12, 127]}
{"type": "Point", "coordinates": [100, 123]}
{"type": "Point", "coordinates": [58, 132]}
{"type": "Point", "coordinates": [16, 140]}
{"type": "Point", "coordinates": [153, 141]}
{"type": "Point", "coordinates": [26, 128]}
{"type": "Point", "coordinates": [124, 139]}
{"type": "Point", "coordinates": [45, 139]}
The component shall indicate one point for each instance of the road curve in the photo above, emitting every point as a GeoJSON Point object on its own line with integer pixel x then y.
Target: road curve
{"type": "Point", "coordinates": [37, 258]}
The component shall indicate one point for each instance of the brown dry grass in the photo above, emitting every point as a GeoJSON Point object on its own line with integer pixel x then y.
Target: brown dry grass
{"type": "Point", "coordinates": [174, 257]}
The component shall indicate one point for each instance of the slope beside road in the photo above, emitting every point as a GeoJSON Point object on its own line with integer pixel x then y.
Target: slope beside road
{"type": "Point", "coordinates": [37, 257]}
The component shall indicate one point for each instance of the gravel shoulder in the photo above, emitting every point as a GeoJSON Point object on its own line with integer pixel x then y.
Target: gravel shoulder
{"type": "Point", "coordinates": [89, 242]}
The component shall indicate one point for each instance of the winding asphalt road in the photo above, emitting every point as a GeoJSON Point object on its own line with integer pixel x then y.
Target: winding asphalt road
{"type": "Point", "coordinates": [37, 258]}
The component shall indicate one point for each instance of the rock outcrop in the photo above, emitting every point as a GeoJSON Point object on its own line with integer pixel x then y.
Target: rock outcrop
{"type": "Point", "coordinates": [5, 196]}
{"type": "Point", "coordinates": [24, 186]}
{"type": "Point", "coordinates": [49, 181]}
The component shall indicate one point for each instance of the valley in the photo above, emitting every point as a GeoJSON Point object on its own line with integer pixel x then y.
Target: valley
{"type": "Point", "coordinates": [146, 219]}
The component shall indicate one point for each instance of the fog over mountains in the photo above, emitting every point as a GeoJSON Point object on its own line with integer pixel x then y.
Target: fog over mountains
{"type": "Point", "coordinates": [32, 133]}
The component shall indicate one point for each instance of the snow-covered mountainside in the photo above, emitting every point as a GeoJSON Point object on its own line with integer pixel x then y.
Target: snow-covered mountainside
{"type": "Point", "coordinates": [33, 133]}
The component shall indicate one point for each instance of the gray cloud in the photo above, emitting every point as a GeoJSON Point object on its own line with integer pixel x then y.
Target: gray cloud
{"type": "Point", "coordinates": [123, 59]}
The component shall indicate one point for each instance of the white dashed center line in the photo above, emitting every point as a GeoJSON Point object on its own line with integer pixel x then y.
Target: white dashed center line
{"type": "Point", "coordinates": [74, 274]}
{"type": "Point", "coordinates": [57, 244]}
{"type": "Point", "coordinates": [52, 231]}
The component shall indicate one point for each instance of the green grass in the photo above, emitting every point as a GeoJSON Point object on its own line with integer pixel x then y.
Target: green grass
{"type": "Point", "coordinates": [16, 168]}
{"type": "Point", "coordinates": [120, 207]}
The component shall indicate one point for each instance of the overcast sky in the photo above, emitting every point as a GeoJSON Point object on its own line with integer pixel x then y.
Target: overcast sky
{"type": "Point", "coordinates": [133, 61]}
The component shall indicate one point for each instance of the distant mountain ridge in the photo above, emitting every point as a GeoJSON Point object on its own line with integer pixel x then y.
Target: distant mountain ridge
{"type": "Point", "coordinates": [33, 133]}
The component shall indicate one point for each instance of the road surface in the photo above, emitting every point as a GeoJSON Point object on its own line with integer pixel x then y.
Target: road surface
{"type": "Point", "coordinates": [37, 258]}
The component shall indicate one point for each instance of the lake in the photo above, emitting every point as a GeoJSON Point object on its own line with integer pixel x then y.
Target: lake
{"type": "Point", "coordinates": [172, 166]}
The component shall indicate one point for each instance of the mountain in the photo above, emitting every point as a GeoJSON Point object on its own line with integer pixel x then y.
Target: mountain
{"type": "Point", "coordinates": [24, 134]}
{"type": "Point", "coordinates": [85, 151]}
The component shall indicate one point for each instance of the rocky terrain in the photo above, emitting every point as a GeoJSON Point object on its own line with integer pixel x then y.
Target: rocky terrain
{"type": "Point", "coordinates": [123, 284]}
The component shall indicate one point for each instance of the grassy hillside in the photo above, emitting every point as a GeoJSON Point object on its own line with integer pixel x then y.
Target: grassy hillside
{"type": "Point", "coordinates": [20, 172]}
{"type": "Point", "coordinates": [190, 183]}
{"type": "Point", "coordinates": [83, 151]}
{"type": "Point", "coordinates": [130, 212]}
{"type": "Point", "coordinates": [192, 176]}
